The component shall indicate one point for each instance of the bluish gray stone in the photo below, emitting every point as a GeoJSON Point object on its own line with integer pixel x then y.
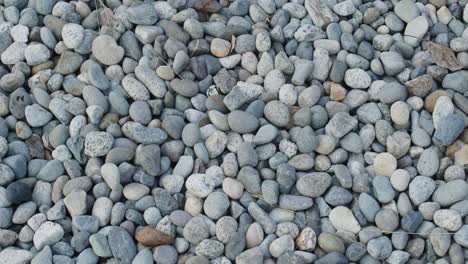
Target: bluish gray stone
{"type": "Point", "coordinates": [121, 244]}
{"type": "Point", "coordinates": [411, 221]}
{"type": "Point", "coordinates": [383, 190]}
{"type": "Point", "coordinates": [450, 192]}
{"type": "Point", "coordinates": [457, 81]}
{"type": "Point", "coordinates": [448, 130]}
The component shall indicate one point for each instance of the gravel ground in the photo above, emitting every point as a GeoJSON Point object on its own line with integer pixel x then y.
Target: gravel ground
{"type": "Point", "coordinates": [244, 131]}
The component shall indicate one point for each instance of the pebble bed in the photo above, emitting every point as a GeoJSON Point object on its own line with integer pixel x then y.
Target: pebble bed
{"type": "Point", "coordinates": [243, 131]}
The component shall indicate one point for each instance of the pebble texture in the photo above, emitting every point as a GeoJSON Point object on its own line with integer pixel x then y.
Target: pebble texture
{"type": "Point", "coordinates": [218, 132]}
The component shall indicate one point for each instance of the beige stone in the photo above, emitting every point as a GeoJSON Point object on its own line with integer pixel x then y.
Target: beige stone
{"type": "Point", "coordinates": [461, 156]}
{"type": "Point", "coordinates": [307, 239]}
{"type": "Point", "coordinates": [384, 164]}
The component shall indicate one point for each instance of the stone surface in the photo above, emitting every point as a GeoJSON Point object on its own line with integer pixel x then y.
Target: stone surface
{"type": "Point", "coordinates": [239, 131]}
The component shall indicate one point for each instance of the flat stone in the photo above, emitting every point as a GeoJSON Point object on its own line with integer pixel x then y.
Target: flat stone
{"type": "Point", "coordinates": [121, 244]}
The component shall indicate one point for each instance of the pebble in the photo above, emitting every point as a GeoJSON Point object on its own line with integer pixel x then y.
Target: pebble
{"type": "Point", "coordinates": [253, 255]}
{"type": "Point", "coordinates": [277, 113]}
{"type": "Point", "coordinates": [428, 162]}
{"type": "Point", "coordinates": [68, 63]}
{"type": "Point", "coordinates": [392, 62]}
{"type": "Point", "coordinates": [400, 179]}
{"type": "Point", "coordinates": [444, 136]}
{"type": "Point", "coordinates": [384, 164]}
{"type": "Point", "coordinates": [111, 175]}
{"type": "Point", "coordinates": [152, 237]}
{"type": "Point", "coordinates": [407, 10]}
{"type": "Point", "coordinates": [48, 234]}
{"type": "Point", "coordinates": [36, 115]}
{"type": "Point", "coordinates": [220, 47]}
{"type": "Point", "coordinates": [75, 202]}
{"type": "Point", "coordinates": [380, 248]}
{"type": "Point", "coordinates": [387, 220]}
{"type": "Point", "coordinates": [420, 189]}
{"type": "Point", "coordinates": [450, 192]}
{"type": "Point", "coordinates": [440, 240]}
{"type": "Point", "coordinates": [14, 53]}
{"type": "Point", "coordinates": [144, 14]}
{"type": "Point", "coordinates": [121, 244]}
{"type": "Point", "coordinates": [196, 230]}
{"type": "Point", "coordinates": [98, 143]}
{"type": "Point", "coordinates": [415, 29]}
{"type": "Point", "coordinates": [209, 248]}
{"type": "Point", "coordinates": [357, 79]}
{"type": "Point", "coordinates": [343, 219]}
{"type": "Point", "coordinates": [15, 255]}
{"type": "Point", "coordinates": [36, 54]}
{"type": "Point", "coordinates": [142, 134]}
{"type": "Point", "coordinates": [344, 8]}
{"type": "Point", "coordinates": [448, 219]}
{"type": "Point", "coordinates": [72, 35]}
{"type": "Point", "coordinates": [254, 235]}
{"type": "Point", "coordinates": [460, 236]}
{"type": "Point", "coordinates": [340, 124]}
{"type": "Point", "coordinates": [242, 122]}
{"type": "Point", "coordinates": [18, 192]}
{"type": "Point", "coordinates": [382, 189]}
{"type": "Point", "coordinates": [233, 131]}
{"type": "Point", "coordinates": [313, 184]}
{"type": "Point", "coordinates": [281, 245]}
{"type": "Point", "coordinates": [106, 50]}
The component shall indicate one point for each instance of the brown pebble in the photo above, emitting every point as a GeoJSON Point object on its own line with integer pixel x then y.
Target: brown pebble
{"type": "Point", "coordinates": [327, 87]}
{"type": "Point", "coordinates": [337, 92]}
{"type": "Point", "coordinates": [43, 66]}
{"type": "Point", "coordinates": [429, 102]}
{"type": "Point", "coordinates": [151, 237]}
{"type": "Point", "coordinates": [453, 148]}
{"type": "Point", "coordinates": [464, 136]}
{"type": "Point", "coordinates": [461, 156]}
{"type": "Point", "coordinates": [207, 6]}
{"type": "Point", "coordinates": [420, 86]}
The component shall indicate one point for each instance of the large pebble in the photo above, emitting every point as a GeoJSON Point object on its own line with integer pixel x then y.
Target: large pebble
{"type": "Point", "coordinates": [106, 50]}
